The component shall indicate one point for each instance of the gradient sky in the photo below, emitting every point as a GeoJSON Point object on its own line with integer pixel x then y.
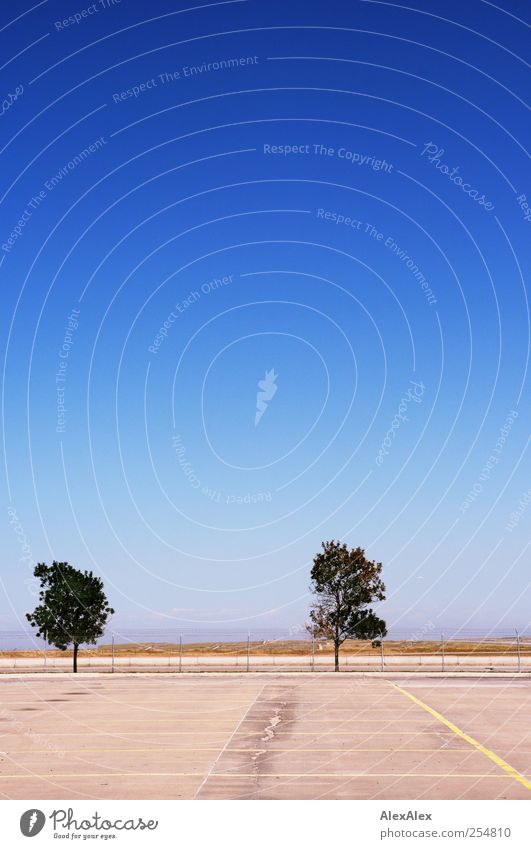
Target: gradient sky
{"type": "Point", "coordinates": [401, 418]}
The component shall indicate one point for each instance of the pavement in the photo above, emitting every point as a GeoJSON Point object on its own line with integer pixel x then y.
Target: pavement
{"type": "Point", "coordinates": [264, 736]}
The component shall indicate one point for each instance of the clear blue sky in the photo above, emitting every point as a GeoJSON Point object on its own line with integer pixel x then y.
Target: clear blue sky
{"type": "Point", "coordinates": [192, 199]}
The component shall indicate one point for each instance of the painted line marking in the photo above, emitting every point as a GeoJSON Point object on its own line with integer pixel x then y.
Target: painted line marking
{"type": "Point", "coordinates": [364, 775]}
{"type": "Point", "coordinates": [513, 773]}
{"type": "Point", "coordinates": [266, 703]}
{"type": "Point", "coordinates": [176, 708]}
{"type": "Point", "coordinates": [222, 734]}
{"type": "Point", "coordinates": [348, 750]}
{"type": "Point", "coordinates": [358, 775]}
{"type": "Point", "coordinates": [198, 725]}
{"type": "Point", "coordinates": [299, 720]}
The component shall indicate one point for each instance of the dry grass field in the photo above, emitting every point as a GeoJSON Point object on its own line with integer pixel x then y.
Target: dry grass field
{"type": "Point", "coordinates": [302, 648]}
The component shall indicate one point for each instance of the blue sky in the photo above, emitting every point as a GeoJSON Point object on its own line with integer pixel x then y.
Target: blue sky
{"type": "Point", "coordinates": [335, 193]}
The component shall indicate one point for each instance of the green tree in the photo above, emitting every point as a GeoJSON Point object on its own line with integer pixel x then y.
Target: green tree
{"type": "Point", "coordinates": [73, 608]}
{"type": "Point", "coordinates": [345, 584]}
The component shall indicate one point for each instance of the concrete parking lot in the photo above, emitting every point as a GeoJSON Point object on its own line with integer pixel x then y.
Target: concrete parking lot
{"type": "Point", "coordinates": [264, 736]}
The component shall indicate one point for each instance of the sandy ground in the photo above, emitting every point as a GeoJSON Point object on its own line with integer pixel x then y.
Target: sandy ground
{"type": "Point", "coordinates": [265, 736]}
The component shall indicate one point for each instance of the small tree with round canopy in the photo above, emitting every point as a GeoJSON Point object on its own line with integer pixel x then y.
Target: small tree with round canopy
{"type": "Point", "coordinates": [73, 608]}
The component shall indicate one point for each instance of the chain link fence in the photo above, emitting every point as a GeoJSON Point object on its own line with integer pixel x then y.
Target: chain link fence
{"type": "Point", "coordinates": [294, 650]}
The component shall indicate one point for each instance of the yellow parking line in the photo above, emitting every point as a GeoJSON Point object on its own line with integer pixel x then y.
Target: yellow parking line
{"type": "Point", "coordinates": [320, 722]}
{"type": "Point", "coordinates": [365, 775]}
{"type": "Point", "coordinates": [513, 773]}
{"type": "Point", "coordinates": [197, 726]}
{"type": "Point", "coordinates": [53, 775]}
{"type": "Point", "coordinates": [138, 700]}
{"type": "Point", "coordinates": [221, 734]}
{"type": "Point", "coordinates": [351, 749]}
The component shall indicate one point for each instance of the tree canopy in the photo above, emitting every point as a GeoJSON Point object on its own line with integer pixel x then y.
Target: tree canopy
{"type": "Point", "coordinates": [73, 607]}
{"type": "Point", "coordinates": [345, 584]}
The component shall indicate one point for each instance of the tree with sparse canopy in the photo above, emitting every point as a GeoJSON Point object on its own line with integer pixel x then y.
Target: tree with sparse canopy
{"type": "Point", "coordinates": [73, 608]}
{"type": "Point", "coordinates": [346, 584]}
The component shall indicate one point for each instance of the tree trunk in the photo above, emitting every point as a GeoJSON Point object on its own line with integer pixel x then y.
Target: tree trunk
{"type": "Point", "coordinates": [336, 650]}
{"type": "Point", "coordinates": [76, 646]}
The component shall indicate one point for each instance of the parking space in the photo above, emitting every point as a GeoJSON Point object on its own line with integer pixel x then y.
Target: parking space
{"type": "Point", "coordinates": [263, 736]}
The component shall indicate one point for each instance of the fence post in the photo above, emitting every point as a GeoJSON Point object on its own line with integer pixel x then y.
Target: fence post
{"type": "Point", "coordinates": [248, 650]}
{"type": "Point", "coordinates": [112, 665]}
{"type": "Point", "coordinates": [442, 651]}
{"type": "Point", "coordinates": [518, 651]}
{"type": "Point", "coordinates": [180, 653]}
{"type": "Point", "coordinates": [45, 658]}
{"type": "Point", "coordinates": [382, 654]}
{"type": "Point", "coordinates": [312, 662]}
